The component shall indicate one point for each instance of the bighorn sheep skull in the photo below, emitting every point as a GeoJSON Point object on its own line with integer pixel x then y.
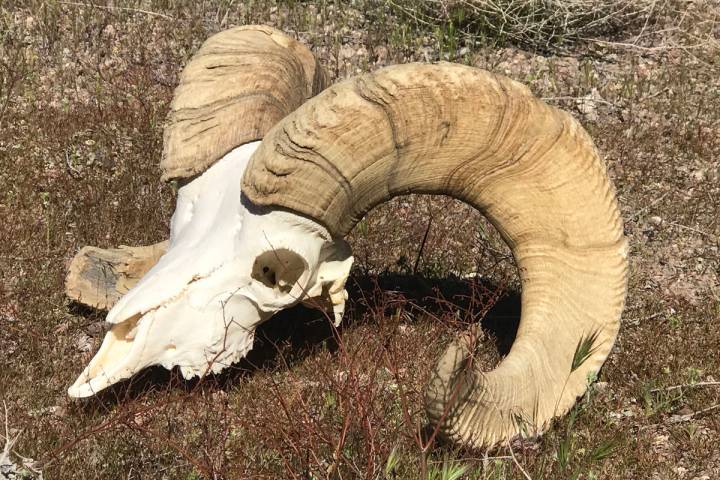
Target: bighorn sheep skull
{"type": "Point", "coordinates": [229, 266]}
{"type": "Point", "coordinates": [234, 258]}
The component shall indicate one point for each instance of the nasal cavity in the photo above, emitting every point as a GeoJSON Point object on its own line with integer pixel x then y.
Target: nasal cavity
{"type": "Point", "coordinates": [278, 269]}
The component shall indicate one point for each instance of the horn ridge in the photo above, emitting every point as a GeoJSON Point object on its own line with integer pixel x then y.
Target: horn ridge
{"type": "Point", "coordinates": [235, 88]}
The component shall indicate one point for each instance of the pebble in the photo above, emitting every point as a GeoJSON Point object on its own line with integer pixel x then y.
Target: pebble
{"type": "Point", "coordinates": [655, 220]}
{"type": "Point", "coordinates": [601, 386]}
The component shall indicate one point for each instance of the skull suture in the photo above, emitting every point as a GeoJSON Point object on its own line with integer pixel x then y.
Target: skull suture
{"type": "Point", "coordinates": [229, 267]}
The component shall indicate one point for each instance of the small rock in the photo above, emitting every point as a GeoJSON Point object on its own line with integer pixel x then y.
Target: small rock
{"type": "Point", "coordinates": [587, 105]}
{"type": "Point", "coordinates": [58, 411]}
{"type": "Point", "coordinates": [699, 175]}
{"type": "Point", "coordinates": [601, 386]}
{"type": "Point", "coordinates": [655, 220]}
{"type": "Point", "coordinates": [685, 411]}
{"type": "Point", "coordinates": [404, 329]}
{"type": "Point", "coordinates": [109, 31]}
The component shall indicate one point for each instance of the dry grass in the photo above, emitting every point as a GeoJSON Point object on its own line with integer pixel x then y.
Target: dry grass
{"type": "Point", "coordinates": [535, 25]}
{"type": "Point", "coordinates": [83, 94]}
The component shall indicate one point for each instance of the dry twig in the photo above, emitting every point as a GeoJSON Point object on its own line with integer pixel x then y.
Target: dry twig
{"type": "Point", "coordinates": [693, 415]}
{"type": "Point", "coordinates": [517, 464]}
{"type": "Point", "coordinates": [687, 385]}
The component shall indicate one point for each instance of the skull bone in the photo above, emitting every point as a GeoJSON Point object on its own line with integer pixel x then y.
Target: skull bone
{"type": "Point", "coordinates": [230, 266]}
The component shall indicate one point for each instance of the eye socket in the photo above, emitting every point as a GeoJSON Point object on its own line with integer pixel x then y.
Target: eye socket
{"type": "Point", "coordinates": [278, 269]}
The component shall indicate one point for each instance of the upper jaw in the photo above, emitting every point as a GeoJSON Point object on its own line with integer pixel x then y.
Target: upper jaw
{"type": "Point", "coordinates": [116, 360]}
{"type": "Point", "coordinates": [199, 339]}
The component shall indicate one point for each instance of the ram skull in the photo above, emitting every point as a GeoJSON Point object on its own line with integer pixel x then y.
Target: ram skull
{"type": "Point", "coordinates": [262, 229]}
{"type": "Point", "coordinates": [229, 267]}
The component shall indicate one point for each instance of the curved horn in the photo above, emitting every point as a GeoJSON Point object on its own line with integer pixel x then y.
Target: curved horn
{"type": "Point", "coordinates": [238, 85]}
{"type": "Point", "coordinates": [530, 168]}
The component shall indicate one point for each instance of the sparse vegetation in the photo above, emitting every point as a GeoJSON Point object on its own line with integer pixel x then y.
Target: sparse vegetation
{"type": "Point", "coordinates": [84, 90]}
{"type": "Point", "coordinates": [537, 26]}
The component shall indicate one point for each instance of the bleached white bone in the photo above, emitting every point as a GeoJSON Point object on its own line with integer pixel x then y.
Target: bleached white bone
{"type": "Point", "coordinates": [229, 266]}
